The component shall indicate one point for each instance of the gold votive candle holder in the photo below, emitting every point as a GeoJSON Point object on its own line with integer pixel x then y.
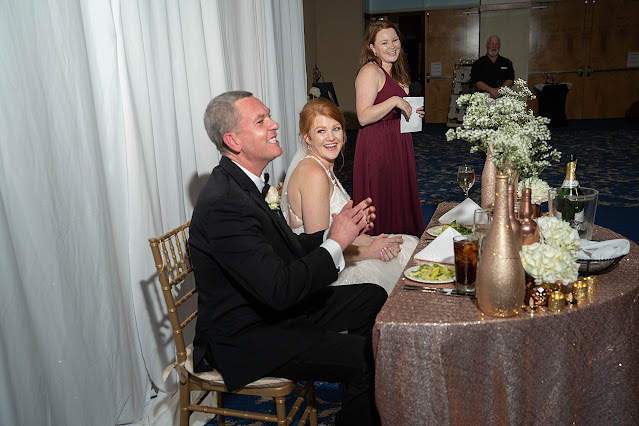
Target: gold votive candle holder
{"type": "Point", "coordinates": [556, 301]}
{"type": "Point", "coordinates": [591, 282]}
{"type": "Point", "coordinates": [580, 290]}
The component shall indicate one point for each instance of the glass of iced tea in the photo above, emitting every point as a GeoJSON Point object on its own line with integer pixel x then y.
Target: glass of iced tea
{"type": "Point", "coordinates": [466, 253]}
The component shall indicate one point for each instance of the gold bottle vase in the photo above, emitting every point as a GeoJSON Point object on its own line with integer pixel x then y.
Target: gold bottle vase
{"type": "Point", "coordinates": [488, 177]}
{"type": "Point", "coordinates": [529, 229]}
{"type": "Point", "coordinates": [501, 282]}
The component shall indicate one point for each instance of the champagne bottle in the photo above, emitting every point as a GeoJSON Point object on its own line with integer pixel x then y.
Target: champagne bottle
{"type": "Point", "coordinates": [570, 211]}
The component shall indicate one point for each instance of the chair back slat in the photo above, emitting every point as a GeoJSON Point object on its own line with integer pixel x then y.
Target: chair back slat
{"type": "Point", "coordinates": [173, 264]}
{"type": "Point", "coordinates": [188, 320]}
{"type": "Point", "coordinates": [186, 297]}
{"type": "Point", "coordinates": [176, 254]}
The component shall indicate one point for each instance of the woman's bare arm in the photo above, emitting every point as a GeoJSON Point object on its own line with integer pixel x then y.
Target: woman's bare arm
{"type": "Point", "coordinates": [368, 83]}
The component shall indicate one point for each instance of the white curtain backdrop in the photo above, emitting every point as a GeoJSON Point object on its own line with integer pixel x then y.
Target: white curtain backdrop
{"type": "Point", "coordinates": [102, 147]}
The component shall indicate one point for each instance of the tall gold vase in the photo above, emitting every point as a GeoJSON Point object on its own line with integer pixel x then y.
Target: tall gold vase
{"type": "Point", "coordinates": [488, 177]}
{"type": "Point", "coordinates": [501, 282]}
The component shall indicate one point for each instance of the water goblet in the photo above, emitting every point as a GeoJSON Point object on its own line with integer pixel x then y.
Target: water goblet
{"type": "Point", "coordinates": [482, 220]}
{"type": "Point", "coordinates": [465, 178]}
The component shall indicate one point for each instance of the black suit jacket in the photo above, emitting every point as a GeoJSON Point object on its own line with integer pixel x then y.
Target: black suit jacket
{"type": "Point", "coordinates": [255, 278]}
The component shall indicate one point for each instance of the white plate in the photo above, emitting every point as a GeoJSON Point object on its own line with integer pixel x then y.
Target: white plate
{"type": "Point", "coordinates": [414, 268]}
{"type": "Point", "coordinates": [435, 230]}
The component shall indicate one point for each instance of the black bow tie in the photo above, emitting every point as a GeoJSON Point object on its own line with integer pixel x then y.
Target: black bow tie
{"type": "Point", "coordinates": [266, 185]}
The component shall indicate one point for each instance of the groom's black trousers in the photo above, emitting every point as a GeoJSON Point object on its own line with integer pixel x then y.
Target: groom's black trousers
{"type": "Point", "coordinates": [340, 357]}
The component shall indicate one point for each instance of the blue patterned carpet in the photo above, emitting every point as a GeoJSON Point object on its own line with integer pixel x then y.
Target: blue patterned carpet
{"type": "Point", "coordinates": [607, 152]}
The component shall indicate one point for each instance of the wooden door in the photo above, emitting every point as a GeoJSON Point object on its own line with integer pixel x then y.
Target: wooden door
{"type": "Point", "coordinates": [586, 44]}
{"type": "Point", "coordinates": [610, 87]}
{"type": "Point", "coordinates": [450, 35]}
{"type": "Point", "coordinates": [556, 47]}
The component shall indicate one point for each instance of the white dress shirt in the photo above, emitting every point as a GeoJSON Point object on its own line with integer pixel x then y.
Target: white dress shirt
{"type": "Point", "coordinates": [331, 246]}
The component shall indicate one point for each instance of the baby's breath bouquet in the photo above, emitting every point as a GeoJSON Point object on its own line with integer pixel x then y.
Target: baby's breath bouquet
{"type": "Point", "coordinates": [539, 189]}
{"type": "Point", "coordinates": [553, 258]}
{"type": "Point", "coordinates": [516, 139]}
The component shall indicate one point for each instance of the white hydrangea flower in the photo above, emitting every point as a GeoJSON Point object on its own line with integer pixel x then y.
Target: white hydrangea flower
{"type": "Point", "coordinates": [547, 263]}
{"type": "Point", "coordinates": [556, 232]}
{"type": "Point", "coordinates": [540, 188]}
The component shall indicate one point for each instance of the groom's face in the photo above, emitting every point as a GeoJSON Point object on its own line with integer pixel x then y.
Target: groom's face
{"type": "Point", "coordinates": [257, 133]}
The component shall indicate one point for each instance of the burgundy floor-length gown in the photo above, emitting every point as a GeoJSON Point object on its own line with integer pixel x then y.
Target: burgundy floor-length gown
{"type": "Point", "coordinates": [384, 170]}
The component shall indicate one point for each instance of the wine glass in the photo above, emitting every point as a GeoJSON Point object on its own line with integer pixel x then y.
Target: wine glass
{"type": "Point", "coordinates": [465, 178]}
{"type": "Point", "coordinates": [482, 220]}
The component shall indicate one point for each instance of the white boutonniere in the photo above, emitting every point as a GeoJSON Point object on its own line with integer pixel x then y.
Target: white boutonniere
{"type": "Point", "coordinates": [273, 199]}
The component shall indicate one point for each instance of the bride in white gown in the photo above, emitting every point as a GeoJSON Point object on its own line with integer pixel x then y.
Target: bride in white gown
{"type": "Point", "coordinates": [312, 194]}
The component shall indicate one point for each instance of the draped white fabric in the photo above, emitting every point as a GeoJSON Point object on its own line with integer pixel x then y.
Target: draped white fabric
{"type": "Point", "coordinates": [103, 147]}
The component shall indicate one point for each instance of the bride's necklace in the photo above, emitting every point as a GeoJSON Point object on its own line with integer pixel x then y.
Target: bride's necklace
{"type": "Point", "coordinates": [329, 171]}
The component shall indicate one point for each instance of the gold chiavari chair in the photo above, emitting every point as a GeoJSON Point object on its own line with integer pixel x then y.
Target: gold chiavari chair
{"type": "Point", "coordinates": [173, 263]}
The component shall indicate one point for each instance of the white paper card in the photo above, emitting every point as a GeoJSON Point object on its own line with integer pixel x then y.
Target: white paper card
{"type": "Point", "coordinates": [415, 122]}
{"type": "Point", "coordinates": [633, 59]}
{"type": "Point", "coordinates": [436, 69]}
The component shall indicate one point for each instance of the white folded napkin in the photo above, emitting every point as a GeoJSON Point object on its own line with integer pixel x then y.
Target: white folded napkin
{"type": "Point", "coordinates": [441, 248]}
{"type": "Point", "coordinates": [462, 213]}
{"type": "Point", "coordinates": [603, 249]}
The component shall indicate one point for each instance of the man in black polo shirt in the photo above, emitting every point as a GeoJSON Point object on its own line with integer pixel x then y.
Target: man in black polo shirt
{"type": "Point", "coordinates": [491, 72]}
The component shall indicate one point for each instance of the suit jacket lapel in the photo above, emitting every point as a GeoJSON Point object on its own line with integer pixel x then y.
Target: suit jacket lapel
{"type": "Point", "coordinates": [247, 185]}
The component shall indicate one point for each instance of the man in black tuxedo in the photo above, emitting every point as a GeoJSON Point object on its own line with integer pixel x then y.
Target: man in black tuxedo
{"type": "Point", "coordinates": [265, 307]}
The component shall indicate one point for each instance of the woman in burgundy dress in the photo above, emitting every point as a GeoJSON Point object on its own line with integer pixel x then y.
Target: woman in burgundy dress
{"type": "Point", "coordinates": [384, 167]}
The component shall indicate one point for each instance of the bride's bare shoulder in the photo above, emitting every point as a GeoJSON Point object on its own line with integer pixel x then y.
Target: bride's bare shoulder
{"type": "Point", "coordinates": [308, 172]}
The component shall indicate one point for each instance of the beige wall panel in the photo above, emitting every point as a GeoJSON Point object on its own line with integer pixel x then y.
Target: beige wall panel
{"type": "Point", "coordinates": [310, 39]}
{"type": "Point", "coordinates": [512, 28]}
{"type": "Point", "coordinates": [339, 34]}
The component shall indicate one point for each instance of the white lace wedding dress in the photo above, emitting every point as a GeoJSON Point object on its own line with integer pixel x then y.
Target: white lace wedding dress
{"type": "Point", "coordinates": [362, 271]}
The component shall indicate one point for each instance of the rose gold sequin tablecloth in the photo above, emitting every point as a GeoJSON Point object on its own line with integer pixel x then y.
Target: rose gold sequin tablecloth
{"type": "Point", "coordinates": [440, 361]}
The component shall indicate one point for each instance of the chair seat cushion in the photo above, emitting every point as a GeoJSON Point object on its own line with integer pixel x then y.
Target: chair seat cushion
{"type": "Point", "coordinates": [215, 378]}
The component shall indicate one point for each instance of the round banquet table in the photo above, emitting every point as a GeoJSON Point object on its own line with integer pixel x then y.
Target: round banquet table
{"type": "Point", "coordinates": [440, 361]}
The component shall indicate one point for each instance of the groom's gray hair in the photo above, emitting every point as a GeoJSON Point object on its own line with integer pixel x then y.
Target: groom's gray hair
{"type": "Point", "coordinates": [222, 117]}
